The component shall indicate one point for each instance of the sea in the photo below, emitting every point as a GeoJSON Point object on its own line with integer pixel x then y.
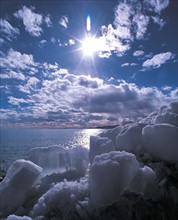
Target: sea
{"type": "Point", "coordinates": [15, 143]}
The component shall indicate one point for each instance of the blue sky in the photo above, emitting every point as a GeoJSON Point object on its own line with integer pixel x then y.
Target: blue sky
{"type": "Point", "coordinates": [56, 72]}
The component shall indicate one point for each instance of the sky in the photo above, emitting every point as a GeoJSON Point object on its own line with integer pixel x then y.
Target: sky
{"type": "Point", "coordinates": [86, 63]}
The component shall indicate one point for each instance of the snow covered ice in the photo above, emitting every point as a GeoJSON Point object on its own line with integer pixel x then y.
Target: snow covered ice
{"type": "Point", "coordinates": [129, 172]}
{"type": "Point", "coordinates": [117, 172]}
{"type": "Point", "coordinates": [60, 159]}
{"type": "Point", "coordinates": [16, 185]}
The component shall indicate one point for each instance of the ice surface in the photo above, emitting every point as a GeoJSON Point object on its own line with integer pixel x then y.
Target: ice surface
{"type": "Point", "coordinates": [112, 133]}
{"type": "Point", "coordinates": [130, 138]}
{"type": "Point", "coordinates": [15, 217]}
{"type": "Point", "coordinates": [161, 140]}
{"type": "Point", "coordinates": [17, 183]}
{"type": "Point", "coordinates": [99, 145]}
{"type": "Point", "coordinates": [113, 173]}
{"type": "Point", "coordinates": [59, 159]}
{"type": "Point", "coordinates": [60, 199]}
{"type": "Point", "coordinates": [132, 175]}
{"type": "Point", "coordinates": [168, 117]}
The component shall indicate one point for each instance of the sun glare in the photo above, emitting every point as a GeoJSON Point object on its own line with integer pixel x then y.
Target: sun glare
{"type": "Point", "coordinates": [89, 46]}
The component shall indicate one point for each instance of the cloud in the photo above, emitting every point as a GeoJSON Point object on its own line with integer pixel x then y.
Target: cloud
{"type": "Point", "coordinates": [30, 86]}
{"type": "Point", "coordinates": [157, 60]}
{"type": "Point", "coordinates": [42, 43]}
{"type": "Point", "coordinates": [2, 41]}
{"type": "Point", "coordinates": [129, 64]}
{"type": "Point", "coordinates": [7, 30]}
{"type": "Point", "coordinates": [131, 22]}
{"type": "Point", "coordinates": [31, 20]}
{"type": "Point", "coordinates": [16, 101]}
{"type": "Point", "coordinates": [166, 88]}
{"type": "Point", "coordinates": [156, 6]}
{"type": "Point", "coordinates": [138, 53]}
{"type": "Point", "coordinates": [16, 60]}
{"type": "Point", "coordinates": [64, 21]}
{"type": "Point", "coordinates": [47, 20]}
{"type": "Point", "coordinates": [158, 20]}
{"type": "Point", "coordinates": [12, 75]}
{"type": "Point", "coordinates": [59, 72]}
{"type": "Point", "coordinates": [71, 42]}
{"type": "Point", "coordinates": [81, 100]}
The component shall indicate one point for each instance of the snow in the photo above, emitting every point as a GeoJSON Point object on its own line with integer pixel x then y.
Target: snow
{"type": "Point", "coordinates": [59, 159]}
{"type": "Point", "coordinates": [99, 145]}
{"type": "Point", "coordinates": [129, 172]}
{"type": "Point", "coordinates": [130, 138]}
{"type": "Point", "coordinates": [60, 199]}
{"type": "Point", "coordinates": [161, 140]}
{"type": "Point", "coordinates": [16, 185]}
{"type": "Point", "coordinates": [15, 217]}
{"type": "Point", "coordinates": [113, 173]}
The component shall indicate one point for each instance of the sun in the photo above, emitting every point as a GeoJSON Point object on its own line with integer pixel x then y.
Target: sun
{"type": "Point", "coordinates": [89, 46]}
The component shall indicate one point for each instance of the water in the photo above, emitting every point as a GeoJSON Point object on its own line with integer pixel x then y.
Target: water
{"type": "Point", "coordinates": [16, 143]}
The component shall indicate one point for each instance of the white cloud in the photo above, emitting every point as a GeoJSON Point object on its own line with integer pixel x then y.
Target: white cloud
{"type": "Point", "coordinates": [7, 29]}
{"type": "Point", "coordinates": [12, 75]}
{"type": "Point", "coordinates": [47, 20]}
{"type": "Point", "coordinates": [158, 20]}
{"type": "Point", "coordinates": [64, 21]}
{"type": "Point", "coordinates": [2, 41]}
{"type": "Point", "coordinates": [71, 42]}
{"type": "Point", "coordinates": [166, 88]}
{"type": "Point", "coordinates": [156, 5]}
{"type": "Point", "coordinates": [15, 59]}
{"type": "Point", "coordinates": [31, 20]}
{"type": "Point", "coordinates": [29, 86]}
{"type": "Point", "coordinates": [130, 23]}
{"type": "Point", "coordinates": [32, 81]}
{"type": "Point", "coordinates": [59, 72]}
{"type": "Point", "coordinates": [42, 43]}
{"type": "Point", "coordinates": [129, 64]}
{"type": "Point", "coordinates": [141, 23]}
{"type": "Point", "coordinates": [125, 64]}
{"type": "Point", "coordinates": [68, 99]}
{"type": "Point", "coordinates": [16, 101]}
{"type": "Point", "coordinates": [138, 53]}
{"type": "Point", "coordinates": [109, 43]}
{"type": "Point", "coordinates": [157, 60]}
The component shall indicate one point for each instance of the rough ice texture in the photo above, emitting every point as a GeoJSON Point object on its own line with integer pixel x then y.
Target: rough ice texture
{"type": "Point", "coordinates": [15, 217]}
{"type": "Point", "coordinates": [112, 133]}
{"type": "Point", "coordinates": [59, 159]}
{"type": "Point", "coordinates": [118, 186]}
{"type": "Point", "coordinates": [168, 117]}
{"type": "Point", "coordinates": [113, 173]}
{"type": "Point", "coordinates": [161, 140]}
{"type": "Point", "coordinates": [99, 145]}
{"type": "Point", "coordinates": [130, 138]}
{"type": "Point", "coordinates": [60, 199]}
{"type": "Point", "coordinates": [17, 183]}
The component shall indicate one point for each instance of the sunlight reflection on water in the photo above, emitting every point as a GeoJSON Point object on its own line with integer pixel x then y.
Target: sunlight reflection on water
{"type": "Point", "coordinates": [82, 137]}
{"type": "Point", "coordinates": [16, 143]}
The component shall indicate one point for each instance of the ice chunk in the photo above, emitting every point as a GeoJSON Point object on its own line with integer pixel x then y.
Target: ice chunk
{"type": "Point", "coordinates": [112, 133]}
{"type": "Point", "coordinates": [173, 107]}
{"type": "Point", "coordinates": [129, 138]}
{"type": "Point", "coordinates": [59, 159]}
{"type": "Point", "coordinates": [167, 117]}
{"type": "Point", "coordinates": [17, 183]}
{"type": "Point", "coordinates": [113, 173]}
{"type": "Point", "coordinates": [15, 217]}
{"type": "Point", "coordinates": [60, 200]}
{"type": "Point", "coordinates": [161, 140]}
{"type": "Point", "coordinates": [145, 183]}
{"type": "Point", "coordinates": [149, 119]}
{"type": "Point", "coordinates": [99, 145]}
